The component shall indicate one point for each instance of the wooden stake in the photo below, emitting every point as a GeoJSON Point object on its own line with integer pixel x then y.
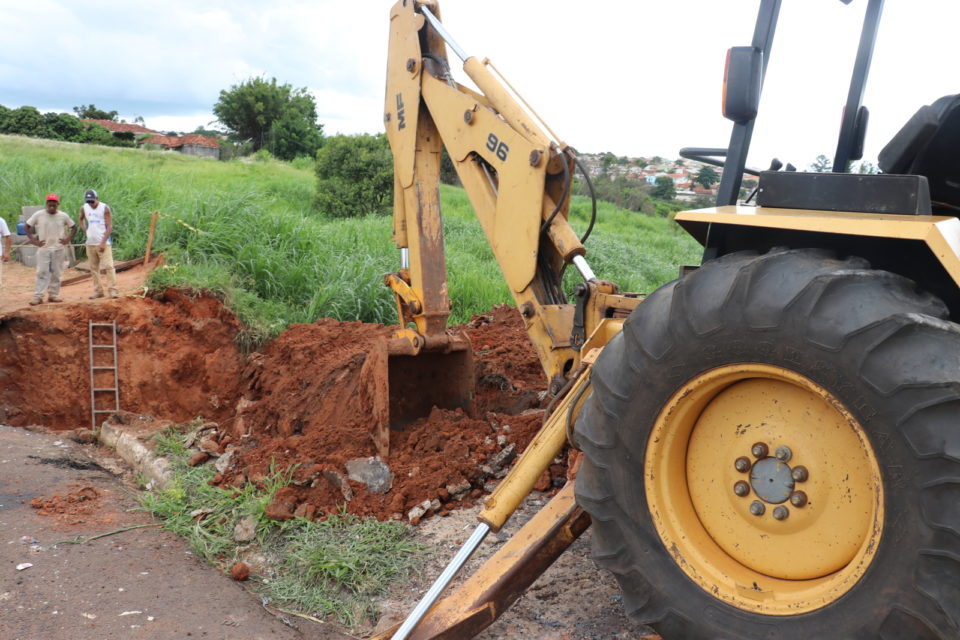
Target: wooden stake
{"type": "Point", "coordinates": [153, 226]}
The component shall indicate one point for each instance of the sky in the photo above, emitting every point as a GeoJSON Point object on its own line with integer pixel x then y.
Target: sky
{"type": "Point", "coordinates": [633, 77]}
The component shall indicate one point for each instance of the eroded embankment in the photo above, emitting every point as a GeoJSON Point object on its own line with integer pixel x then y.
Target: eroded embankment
{"type": "Point", "coordinates": [302, 400]}
{"type": "Point", "coordinates": [177, 359]}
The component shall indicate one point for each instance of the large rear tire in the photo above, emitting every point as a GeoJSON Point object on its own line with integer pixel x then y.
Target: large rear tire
{"type": "Point", "coordinates": [852, 376]}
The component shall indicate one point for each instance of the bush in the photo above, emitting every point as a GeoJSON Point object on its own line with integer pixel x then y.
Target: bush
{"type": "Point", "coordinates": [355, 176]}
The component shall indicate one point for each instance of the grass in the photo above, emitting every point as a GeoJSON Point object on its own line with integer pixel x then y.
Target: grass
{"type": "Point", "coordinates": [335, 567]}
{"type": "Point", "coordinates": [249, 234]}
{"type": "Point", "coordinates": [331, 568]}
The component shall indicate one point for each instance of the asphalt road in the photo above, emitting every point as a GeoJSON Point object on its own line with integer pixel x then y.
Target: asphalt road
{"type": "Point", "coordinates": [140, 583]}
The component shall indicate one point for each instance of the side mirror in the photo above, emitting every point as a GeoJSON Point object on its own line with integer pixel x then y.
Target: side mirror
{"type": "Point", "coordinates": [742, 78]}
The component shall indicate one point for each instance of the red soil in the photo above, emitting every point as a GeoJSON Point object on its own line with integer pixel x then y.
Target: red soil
{"type": "Point", "coordinates": [308, 403]}
{"type": "Point", "coordinates": [177, 359]}
{"type": "Point", "coordinates": [305, 399]}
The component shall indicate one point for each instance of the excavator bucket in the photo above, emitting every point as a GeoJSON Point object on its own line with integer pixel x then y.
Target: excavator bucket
{"type": "Point", "coordinates": [408, 385]}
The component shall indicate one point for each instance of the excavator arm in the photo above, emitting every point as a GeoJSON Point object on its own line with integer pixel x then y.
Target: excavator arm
{"type": "Point", "coordinates": [519, 180]}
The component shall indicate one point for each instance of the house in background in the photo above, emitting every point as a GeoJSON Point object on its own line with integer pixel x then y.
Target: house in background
{"type": "Point", "coordinates": [122, 130]}
{"type": "Point", "coordinates": [192, 144]}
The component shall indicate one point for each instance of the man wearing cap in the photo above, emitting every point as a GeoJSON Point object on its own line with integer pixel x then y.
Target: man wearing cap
{"type": "Point", "coordinates": [97, 221]}
{"type": "Point", "coordinates": [48, 231]}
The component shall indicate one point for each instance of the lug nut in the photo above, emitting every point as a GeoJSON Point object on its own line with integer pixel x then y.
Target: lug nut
{"type": "Point", "coordinates": [781, 513]}
{"type": "Point", "coordinates": [760, 450]}
{"type": "Point", "coordinates": [742, 464]}
{"type": "Point", "coordinates": [799, 474]}
{"type": "Point", "coordinates": [757, 508]}
{"type": "Point", "coordinates": [741, 488]}
{"type": "Point", "coordinates": [411, 64]}
{"type": "Point", "coordinates": [783, 453]}
{"type": "Point", "coordinates": [798, 499]}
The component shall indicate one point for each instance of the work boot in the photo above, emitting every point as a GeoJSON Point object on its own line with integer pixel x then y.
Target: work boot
{"type": "Point", "coordinates": [54, 299]}
{"type": "Point", "coordinates": [36, 301]}
{"type": "Point", "coordinates": [96, 294]}
{"type": "Point", "coordinates": [114, 294]}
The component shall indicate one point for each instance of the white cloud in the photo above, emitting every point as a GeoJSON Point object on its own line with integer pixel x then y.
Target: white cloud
{"type": "Point", "coordinates": [634, 78]}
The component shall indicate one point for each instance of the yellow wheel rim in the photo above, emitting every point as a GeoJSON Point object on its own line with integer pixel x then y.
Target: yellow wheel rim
{"type": "Point", "coordinates": [772, 534]}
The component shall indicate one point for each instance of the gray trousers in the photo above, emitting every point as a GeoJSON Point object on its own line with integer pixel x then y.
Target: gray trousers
{"type": "Point", "coordinates": [49, 268]}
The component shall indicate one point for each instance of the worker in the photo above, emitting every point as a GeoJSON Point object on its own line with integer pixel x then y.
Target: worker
{"type": "Point", "coordinates": [4, 246]}
{"type": "Point", "coordinates": [48, 230]}
{"type": "Point", "coordinates": [97, 222]}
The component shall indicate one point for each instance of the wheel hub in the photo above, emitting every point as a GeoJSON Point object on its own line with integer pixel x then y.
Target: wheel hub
{"type": "Point", "coordinates": [771, 480]}
{"type": "Point", "coordinates": [760, 482]}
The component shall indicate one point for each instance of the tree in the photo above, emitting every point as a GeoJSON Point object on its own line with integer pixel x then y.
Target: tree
{"type": "Point", "coordinates": [664, 189]}
{"type": "Point", "coordinates": [607, 160]}
{"type": "Point", "coordinates": [63, 126]}
{"type": "Point", "coordinates": [275, 116]}
{"type": "Point", "coordinates": [822, 164]}
{"type": "Point", "coordinates": [25, 121]}
{"type": "Point", "coordinates": [707, 177]}
{"type": "Point", "coordinates": [90, 112]}
{"type": "Point", "coordinates": [863, 167]}
{"type": "Point", "coordinates": [294, 136]}
{"type": "Point", "coordinates": [355, 176]}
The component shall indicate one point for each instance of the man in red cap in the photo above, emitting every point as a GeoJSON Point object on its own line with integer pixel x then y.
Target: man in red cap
{"type": "Point", "coordinates": [48, 231]}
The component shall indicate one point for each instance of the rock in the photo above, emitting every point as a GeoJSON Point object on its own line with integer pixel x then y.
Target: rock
{"type": "Point", "coordinates": [340, 482]}
{"type": "Point", "coordinates": [198, 458]}
{"type": "Point", "coordinates": [305, 510]}
{"type": "Point", "coordinates": [415, 514]}
{"type": "Point", "coordinates": [282, 506]}
{"type": "Point", "coordinates": [225, 461]}
{"type": "Point", "coordinates": [504, 457]}
{"type": "Point", "coordinates": [373, 472]}
{"type": "Point", "coordinates": [210, 445]}
{"type": "Point", "coordinates": [501, 440]}
{"type": "Point", "coordinates": [246, 529]}
{"type": "Point", "coordinates": [443, 494]}
{"type": "Point", "coordinates": [83, 436]}
{"type": "Point", "coordinates": [457, 491]}
{"type": "Point", "coordinates": [435, 505]}
{"type": "Point", "coordinates": [307, 474]}
{"type": "Point", "coordinates": [240, 571]}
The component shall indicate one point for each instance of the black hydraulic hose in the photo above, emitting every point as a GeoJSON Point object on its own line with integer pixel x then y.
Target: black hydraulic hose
{"type": "Point", "coordinates": [567, 179]}
{"type": "Point", "coordinates": [593, 199]}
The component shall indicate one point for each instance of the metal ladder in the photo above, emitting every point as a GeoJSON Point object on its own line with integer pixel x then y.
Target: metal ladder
{"type": "Point", "coordinates": [94, 390]}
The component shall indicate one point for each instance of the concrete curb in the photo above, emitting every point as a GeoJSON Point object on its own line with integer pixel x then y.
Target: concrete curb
{"type": "Point", "coordinates": [137, 454]}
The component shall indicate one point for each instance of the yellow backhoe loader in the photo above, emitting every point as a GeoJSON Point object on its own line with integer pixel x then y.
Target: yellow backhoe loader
{"type": "Point", "coordinates": [770, 443]}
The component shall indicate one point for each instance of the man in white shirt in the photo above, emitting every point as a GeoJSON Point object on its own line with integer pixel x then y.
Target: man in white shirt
{"type": "Point", "coordinates": [97, 221]}
{"type": "Point", "coordinates": [48, 230]}
{"type": "Point", "coordinates": [4, 246]}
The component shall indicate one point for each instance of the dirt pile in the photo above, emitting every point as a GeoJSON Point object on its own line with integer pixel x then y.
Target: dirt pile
{"type": "Point", "coordinates": [304, 400]}
{"type": "Point", "coordinates": [75, 507]}
{"type": "Point", "coordinates": [307, 403]}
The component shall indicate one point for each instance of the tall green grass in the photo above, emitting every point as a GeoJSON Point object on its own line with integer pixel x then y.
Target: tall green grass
{"type": "Point", "coordinates": [250, 234]}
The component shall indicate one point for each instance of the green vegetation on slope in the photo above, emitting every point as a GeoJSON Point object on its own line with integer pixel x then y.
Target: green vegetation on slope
{"type": "Point", "coordinates": [274, 258]}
